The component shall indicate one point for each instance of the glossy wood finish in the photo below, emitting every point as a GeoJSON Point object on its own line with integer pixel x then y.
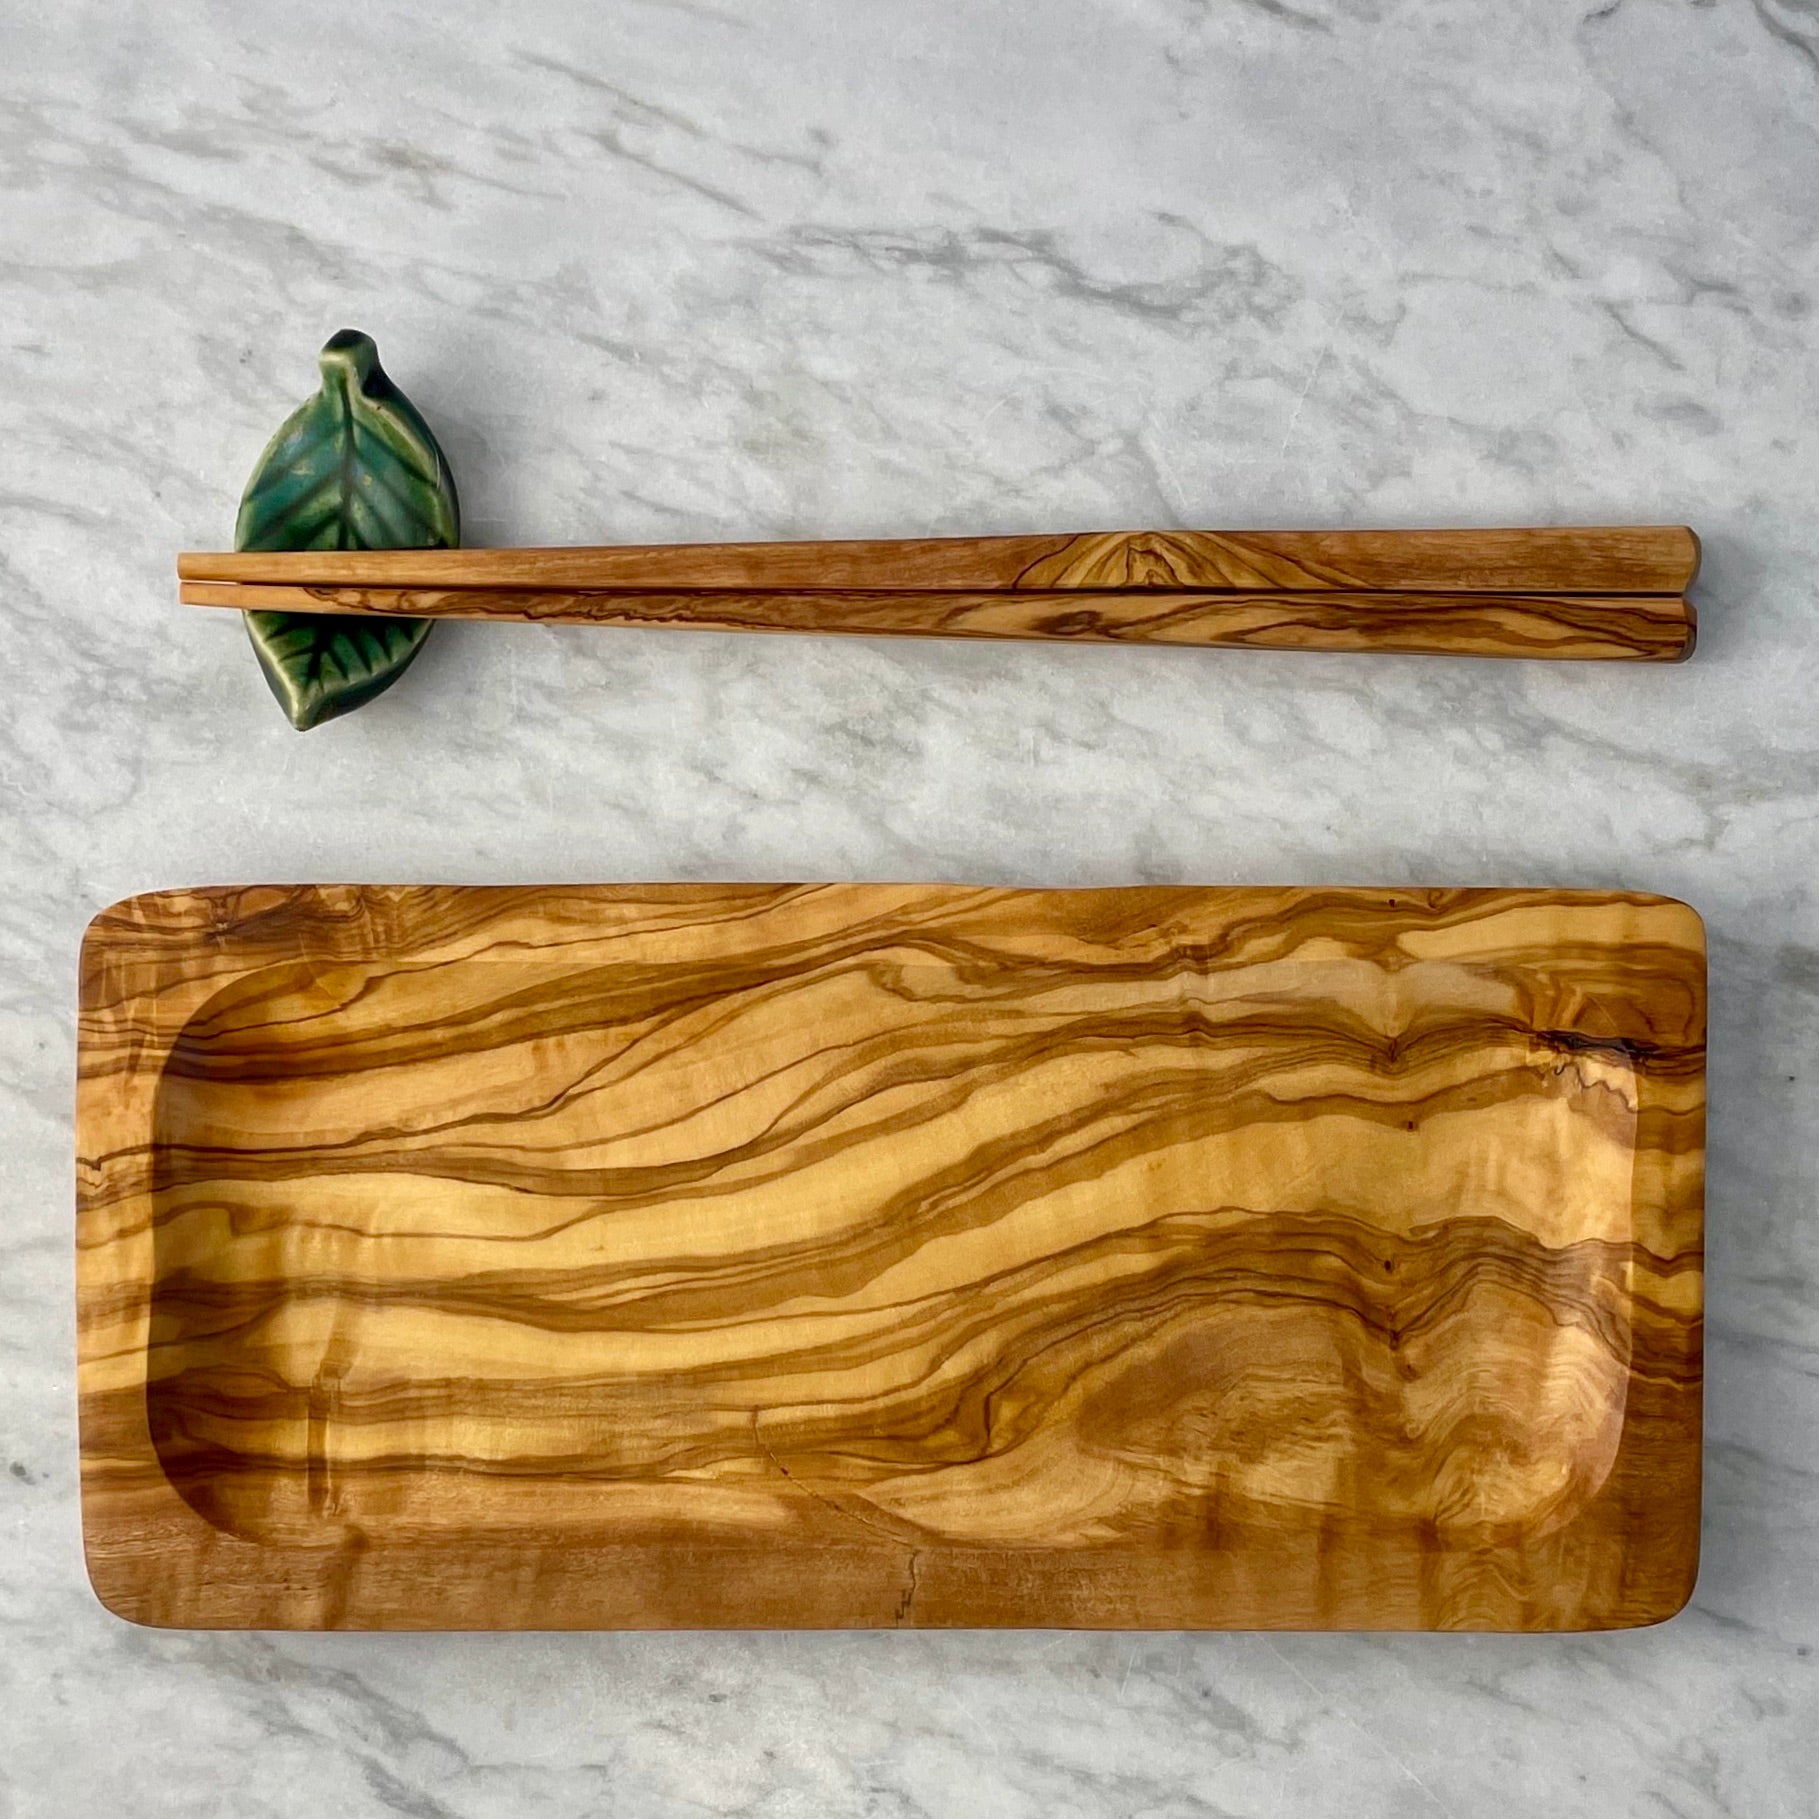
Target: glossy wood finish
{"type": "Point", "coordinates": [1648, 628]}
{"type": "Point", "coordinates": [1610, 593]}
{"type": "Point", "coordinates": [871, 1255]}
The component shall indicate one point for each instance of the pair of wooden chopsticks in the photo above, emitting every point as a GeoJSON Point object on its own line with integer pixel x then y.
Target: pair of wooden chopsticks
{"type": "Point", "coordinates": [1613, 592]}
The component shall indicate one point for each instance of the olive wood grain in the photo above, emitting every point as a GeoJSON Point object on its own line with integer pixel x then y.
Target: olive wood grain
{"type": "Point", "coordinates": [1607, 627]}
{"type": "Point", "coordinates": [1595, 559]}
{"type": "Point", "coordinates": [890, 1255]}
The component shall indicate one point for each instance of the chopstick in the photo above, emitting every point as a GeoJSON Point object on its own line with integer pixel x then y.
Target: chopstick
{"type": "Point", "coordinates": [1634, 627]}
{"type": "Point", "coordinates": [1604, 593]}
{"type": "Point", "coordinates": [1622, 559]}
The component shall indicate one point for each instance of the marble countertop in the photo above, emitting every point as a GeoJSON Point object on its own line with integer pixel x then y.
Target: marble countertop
{"type": "Point", "coordinates": [673, 270]}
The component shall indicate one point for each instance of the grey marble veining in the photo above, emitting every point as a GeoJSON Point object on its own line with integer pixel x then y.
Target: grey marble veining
{"type": "Point", "coordinates": [674, 270]}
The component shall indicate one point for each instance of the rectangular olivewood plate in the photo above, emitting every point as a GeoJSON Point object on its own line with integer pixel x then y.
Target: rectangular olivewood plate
{"type": "Point", "coordinates": [855, 1255]}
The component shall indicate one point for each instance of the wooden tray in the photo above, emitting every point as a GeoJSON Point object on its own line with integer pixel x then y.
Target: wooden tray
{"type": "Point", "coordinates": [867, 1255]}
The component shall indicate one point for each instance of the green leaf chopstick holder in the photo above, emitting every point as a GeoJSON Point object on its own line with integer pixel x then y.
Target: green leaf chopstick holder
{"type": "Point", "coordinates": [354, 468]}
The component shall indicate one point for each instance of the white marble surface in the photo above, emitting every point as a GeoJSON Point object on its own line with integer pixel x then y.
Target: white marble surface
{"type": "Point", "coordinates": [691, 270]}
